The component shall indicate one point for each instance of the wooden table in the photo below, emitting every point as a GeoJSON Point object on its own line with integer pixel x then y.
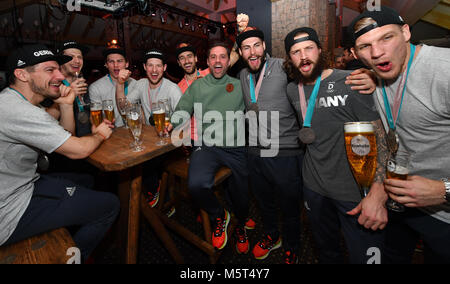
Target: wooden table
{"type": "Point", "coordinates": [115, 155]}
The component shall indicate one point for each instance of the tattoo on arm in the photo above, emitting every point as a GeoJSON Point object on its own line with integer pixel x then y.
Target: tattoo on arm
{"type": "Point", "coordinates": [382, 151]}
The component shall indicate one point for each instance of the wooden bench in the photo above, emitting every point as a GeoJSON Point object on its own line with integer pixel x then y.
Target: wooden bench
{"type": "Point", "coordinates": [47, 248]}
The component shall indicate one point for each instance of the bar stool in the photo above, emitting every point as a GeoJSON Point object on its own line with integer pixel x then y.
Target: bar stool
{"type": "Point", "coordinates": [47, 248]}
{"type": "Point", "coordinates": [174, 179]}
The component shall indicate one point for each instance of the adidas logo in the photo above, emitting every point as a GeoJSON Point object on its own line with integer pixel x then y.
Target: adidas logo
{"type": "Point", "coordinates": [20, 63]}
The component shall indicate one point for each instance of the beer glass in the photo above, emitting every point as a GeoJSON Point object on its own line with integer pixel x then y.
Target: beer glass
{"type": "Point", "coordinates": [108, 109]}
{"type": "Point", "coordinates": [96, 113]}
{"type": "Point", "coordinates": [123, 104]}
{"type": "Point", "coordinates": [134, 121]}
{"type": "Point", "coordinates": [361, 147]}
{"type": "Point", "coordinates": [159, 116]}
{"type": "Point", "coordinates": [79, 75]}
{"type": "Point", "coordinates": [168, 114]}
{"type": "Point", "coordinates": [397, 168]}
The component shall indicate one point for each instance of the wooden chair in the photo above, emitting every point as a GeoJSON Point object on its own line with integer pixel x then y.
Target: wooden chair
{"type": "Point", "coordinates": [47, 248]}
{"type": "Point", "coordinates": [174, 179]}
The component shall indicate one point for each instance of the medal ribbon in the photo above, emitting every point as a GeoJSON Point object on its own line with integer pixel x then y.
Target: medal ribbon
{"type": "Point", "coordinates": [255, 92]}
{"type": "Point", "coordinates": [126, 85]}
{"type": "Point", "coordinates": [80, 106]}
{"type": "Point", "coordinates": [307, 113]}
{"type": "Point", "coordinates": [398, 100]}
{"type": "Point", "coordinates": [187, 82]}
{"type": "Point", "coordinates": [20, 94]}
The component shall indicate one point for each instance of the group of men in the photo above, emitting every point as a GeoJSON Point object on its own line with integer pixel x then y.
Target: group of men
{"type": "Point", "coordinates": [275, 127]}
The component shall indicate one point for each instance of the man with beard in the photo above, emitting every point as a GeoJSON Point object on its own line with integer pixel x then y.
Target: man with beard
{"type": "Point", "coordinates": [105, 87]}
{"type": "Point", "coordinates": [187, 60]}
{"type": "Point", "coordinates": [223, 144]}
{"type": "Point", "coordinates": [332, 197]}
{"type": "Point", "coordinates": [31, 204]}
{"type": "Point", "coordinates": [416, 76]}
{"type": "Point", "coordinates": [150, 90]}
{"type": "Point", "coordinates": [275, 178]}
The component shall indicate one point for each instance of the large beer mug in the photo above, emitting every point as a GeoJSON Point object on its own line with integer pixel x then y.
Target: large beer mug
{"type": "Point", "coordinates": [361, 147]}
{"type": "Point", "coordinates": [108, 109]}
{"type": "Point", "coordinates": [97, 113]}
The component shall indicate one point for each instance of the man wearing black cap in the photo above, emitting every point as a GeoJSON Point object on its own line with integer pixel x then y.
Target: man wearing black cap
{"type": "Point", "coordinates": [332, 197]}
{"type": "Point", "coordinates": [187, 59]}
{"type": "Point", "coordinates": [414, 103]}
{"type": "Point", "coordinates": [30, 203]}
{"type": "Point", "coordinates": [150, 90]}
{"type": "Point", "coordinates": [72, 72]}
{"type": "Point", "coordinates": [105, 87]}
{"type": "Point", "coordinates": [276, 177]}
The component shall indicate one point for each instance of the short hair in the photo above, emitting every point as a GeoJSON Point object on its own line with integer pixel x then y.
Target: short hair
{"type": "Point", "coordinates": [12, 77]}
{"type": "Point", "coordinates": [216, 44]}
{"type": "Point", "coordinates": [361, 24]}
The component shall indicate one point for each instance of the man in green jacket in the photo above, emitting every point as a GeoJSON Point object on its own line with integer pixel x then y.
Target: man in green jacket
{"type": "Point", "coordinates": [218, 106]}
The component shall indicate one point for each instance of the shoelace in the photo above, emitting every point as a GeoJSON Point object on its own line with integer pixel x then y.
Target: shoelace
{"type": "Point", "coordinates": [266, 243]}
{"type": "Point", "coordinates": [219, 227]}
{"type": "Point", "coordinates": [241, 235]}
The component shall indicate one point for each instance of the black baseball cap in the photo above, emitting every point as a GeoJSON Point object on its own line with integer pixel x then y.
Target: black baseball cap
{"type": "Point", "coordinates": [289, 40]}
{"type": "Point", "coordinates": [30, 55]}
{"type": "Point", "coordinates": [114, 50]}
{"type": "Point", "coordinates": [382, 17]}
{"type": "Point", "coordinates": [72, 44]}
{"type": "Point", "coordinates": [183, 48]}
{"type": "Point", "coordinates": [154, 53]}
{"type": "Point", "coordinates": [248, 34]}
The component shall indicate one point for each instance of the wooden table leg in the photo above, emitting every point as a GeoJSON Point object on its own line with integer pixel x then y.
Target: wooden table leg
{"type": "Point", "coordinates": [129, 193]}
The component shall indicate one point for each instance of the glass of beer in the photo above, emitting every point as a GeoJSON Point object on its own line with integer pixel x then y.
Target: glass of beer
{"type": "Point", "coordinates": [108, 110]}
{"type": "Point", "coordinates": [397, 168]}
{"type": "Point", "coordinates": [361, 147]}
{"type": "Point", "coordinates": [134, 121]}
{"type": "Point", "coordinates": [159, 116]}
{"type": "Point", "coordinates": [123, 105]}
{"type": "Point", "coordinates": [97, 113]}
{"type": "Point", "coordinates": [168, 114]}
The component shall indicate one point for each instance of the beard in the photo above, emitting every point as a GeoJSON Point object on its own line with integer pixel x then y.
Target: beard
{"type": "Point", "coordinates": [256, 71]}
{"type": "Point", "coordinates": [317, 69]}
{"type": "Point", "coordinates": [43, 91]}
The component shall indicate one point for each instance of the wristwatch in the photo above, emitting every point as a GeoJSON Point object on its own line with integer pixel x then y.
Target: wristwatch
{"type": "Point", "coordinates": [447, 189]}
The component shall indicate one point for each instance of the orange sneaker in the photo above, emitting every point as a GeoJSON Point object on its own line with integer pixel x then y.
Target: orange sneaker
{"type": "Point", "coordinates": [219, 236]}
{"type": "Point", "coordinates": [242, 246]}
{"type": "Point", "coordinates": [262, 249]}
{"type": "Point", "coordinates": [153, 198]}
{"type": "Point", "coordinates": [250, 224]}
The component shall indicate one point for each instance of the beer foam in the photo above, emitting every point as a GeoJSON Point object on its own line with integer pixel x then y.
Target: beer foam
{"type": "Point", "coordinates": [358, 127]}
{"type": "Point", "coordinates": [159, 112]}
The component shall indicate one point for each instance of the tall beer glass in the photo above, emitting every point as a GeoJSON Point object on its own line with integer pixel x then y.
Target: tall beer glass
{"type": "Point", "coordinates": [108, 109]}
{"type": "Point", "coordinates": [361, 147]}
{"type": "Point", "coordinates": [397, 168]}
{"type": "Point", "coordinates": [123, 105]}
{"type": "Point", "coordinates": [96, 113]}
{"type": "Point", "coordinates": [134, 120]}
{"type": "Point", "coordinates": [159, 116]}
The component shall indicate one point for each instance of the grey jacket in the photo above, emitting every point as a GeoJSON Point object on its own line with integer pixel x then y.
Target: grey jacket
{"type": "Point", "coordinates": [273, 100]}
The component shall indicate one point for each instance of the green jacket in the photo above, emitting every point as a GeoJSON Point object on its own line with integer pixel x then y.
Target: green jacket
{"type": "Point", "coordinates": [218, 107]}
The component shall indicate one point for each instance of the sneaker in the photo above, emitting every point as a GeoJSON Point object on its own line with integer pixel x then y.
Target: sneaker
{"type": "Point", "coordinates": [171, 212]}
{"type": "Point", "coordinates": [250, 224]}
{"type": "Point", "coordinates": [262, 249]}
{"type": "Point", "coordinates": [290, 257]}
{"type": "Point", "coordinates": [242, 246]}
{"type": "Point", "coordinates": [219, 236]}
{"type": "Point", "coordinates": [153, 198]}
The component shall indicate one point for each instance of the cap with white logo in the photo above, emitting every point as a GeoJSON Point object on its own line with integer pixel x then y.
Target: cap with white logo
{"type": "Point", "coordinates": [30, 55]}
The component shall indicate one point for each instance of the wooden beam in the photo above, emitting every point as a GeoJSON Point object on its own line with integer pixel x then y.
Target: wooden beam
{"type": "Point", "coordinates": [148, 22]}
{"type": "Point", "coordinates": [69, 23]}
